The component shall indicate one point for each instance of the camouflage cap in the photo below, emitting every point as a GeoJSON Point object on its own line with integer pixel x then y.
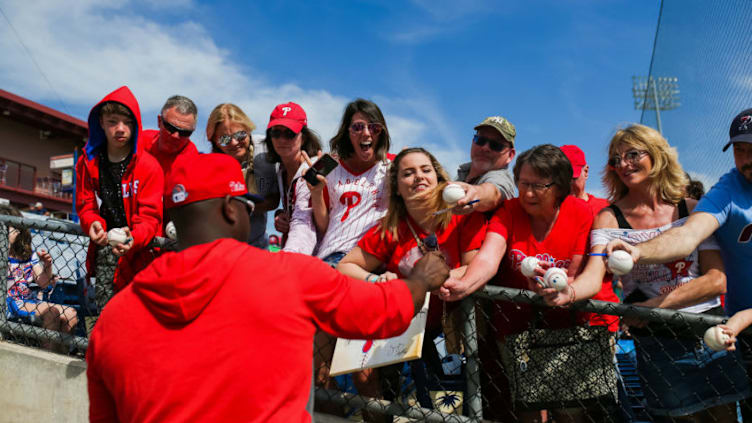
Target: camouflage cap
{"type": "Point", "coordinates": [499, 123]}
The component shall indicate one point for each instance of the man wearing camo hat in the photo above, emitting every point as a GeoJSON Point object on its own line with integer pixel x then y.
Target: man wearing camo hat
{"type": "Point", "coordinates": [486, 177]}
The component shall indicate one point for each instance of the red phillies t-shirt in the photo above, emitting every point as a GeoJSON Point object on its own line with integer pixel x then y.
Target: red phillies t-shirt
{"type": "Point", "coordinates": [463, 233]}
{"type": "Point", "coordinates": [567, 238]}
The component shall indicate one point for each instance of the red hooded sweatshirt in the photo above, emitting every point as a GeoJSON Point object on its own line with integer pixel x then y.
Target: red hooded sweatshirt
{"type": "Point", "coordinates": [166, 159]}
{"type": "Point", "coordinates": [223, 332]}
{"type": "Point", "coordinates": [142, 186]}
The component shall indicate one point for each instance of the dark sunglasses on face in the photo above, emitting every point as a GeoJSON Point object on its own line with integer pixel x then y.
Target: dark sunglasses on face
{"type": "Point", "coordinates": [494, 145]}
{"type": "Point", "coordinates": [631, 157]}
{"type": "Point", "coordinates": [373, 127]}
{"type": "Point", "coordinates": [250, 205]}
{"type": "Point", "coordinates": [225, 140]}
{"type": "Point", "coordinates": [183, 133]}
{"type": "Point", "coordinates": [282, 133]}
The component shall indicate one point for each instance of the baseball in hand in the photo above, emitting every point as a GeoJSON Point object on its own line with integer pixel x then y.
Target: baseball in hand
{"type": "Point", "coordinates": [452, 193]}
{"type": "Point", "coordinates": [170, 231]}
{"type": "Point", "coordinates": [620, 262]}
{"type": "Point", "coordinates": [116, 236]}
{"type": "Point", "coordinates": [716, 338]}
{"type": "Point", "coordinates": [528, 266]}
{"type": "Point", "coordinates": [555, 278]}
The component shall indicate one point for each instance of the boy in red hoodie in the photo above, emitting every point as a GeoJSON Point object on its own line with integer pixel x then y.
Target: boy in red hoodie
{"type": "Point", "coordinates": [221, 331]}
{"type": "Point", "coordinates": [118, 185]}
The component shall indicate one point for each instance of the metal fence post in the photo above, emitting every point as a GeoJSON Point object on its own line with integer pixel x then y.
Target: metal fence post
{"type": "Point", "coordinates": [4, 252]}
{"type": "Point", "coordinates": [474, 401]}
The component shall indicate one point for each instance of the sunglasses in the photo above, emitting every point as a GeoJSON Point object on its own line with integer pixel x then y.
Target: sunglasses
{"type": "Point", "coordinates": [373, 127]}
{"type": "Point", "coordinates": [282, 133]}
{"type": "Point", "coordinates": [250, 205]}
{"type": "Point", "coordinates": [183, 133]}
{"type": "Point", "coordinates": [631, 157]}
{"type": "Point", "coordinates": [494, 145]}
{"type": "Point", "coordinates": [225, 140]}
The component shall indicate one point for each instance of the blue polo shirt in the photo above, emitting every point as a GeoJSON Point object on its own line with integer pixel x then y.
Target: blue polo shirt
{"type": "Point", "coordinates": [730, 202]}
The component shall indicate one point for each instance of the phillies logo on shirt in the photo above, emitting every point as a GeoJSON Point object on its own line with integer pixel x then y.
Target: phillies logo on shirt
{"type": "Point", "coordinates": [517, 256]}
{"type": "Point", "coordinates": [349, 199]}
{"type": "Point", "coordinates": [679, 267]}
{"type": "Point", "coordinates": [130, 187]}
{"type": "Point", "coordinates": [746, 234]}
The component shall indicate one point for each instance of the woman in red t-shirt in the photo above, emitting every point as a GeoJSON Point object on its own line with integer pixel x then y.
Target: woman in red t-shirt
{"type": "Point", "coordinates": [416, 180]}
{"type": "Point", "coordinates": [547, 223]}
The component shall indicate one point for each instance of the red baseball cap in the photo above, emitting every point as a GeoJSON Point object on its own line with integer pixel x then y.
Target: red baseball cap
{"type": "Point", "coordinates": [203, 177]}
{"type": "Point", "coordinates": [576, 157]}
{"type": "Point", "coordinates": [289, 115]}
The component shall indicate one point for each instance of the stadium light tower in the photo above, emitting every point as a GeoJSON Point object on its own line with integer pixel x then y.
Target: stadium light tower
{"type": "Point", "coordinates": [661, 93]}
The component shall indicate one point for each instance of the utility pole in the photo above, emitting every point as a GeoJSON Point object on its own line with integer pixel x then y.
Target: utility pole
{"type": "Point", "coordinates": [660, 93]}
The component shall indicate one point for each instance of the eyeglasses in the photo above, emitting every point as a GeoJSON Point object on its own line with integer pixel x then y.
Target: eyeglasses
{"type": "Point", "coordinates": [631, 157]}
{"type": "Point", "coordinates": [282, 133]}
{"type": "Point", "coordinates": [373, 127]}
{"type": "Point", "coordinates": [494, 145]}
{"type": "Point", "coordinates": [250, 205]}
{"type": "Point", "coordinates": [183, 133]}
{"type": "Point", "coordinates": [225, 140]}
{"type": "Point", "coordinates": [536, 188]}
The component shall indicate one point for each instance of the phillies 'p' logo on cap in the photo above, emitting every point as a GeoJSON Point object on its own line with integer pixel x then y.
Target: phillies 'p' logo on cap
{"type": "Point", "coordinates": [290, 115]}
{"type": "Point", "coordinates": [741, 128]}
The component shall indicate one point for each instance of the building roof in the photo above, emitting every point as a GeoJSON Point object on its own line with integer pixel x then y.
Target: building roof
{"type": "Point", "coordinates": [17, 108]}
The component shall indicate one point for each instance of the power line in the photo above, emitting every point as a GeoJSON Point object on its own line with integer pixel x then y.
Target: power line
{"type": "Point", "coordinates": [39, 68]}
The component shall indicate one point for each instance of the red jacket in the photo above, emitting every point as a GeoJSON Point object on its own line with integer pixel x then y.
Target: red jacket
{"type": "Point", "coordinates": [223, 332]}
{"type": "Point", "coordinates": [150, 140]}
{"type": "Point", "coordinates": [142, 186]}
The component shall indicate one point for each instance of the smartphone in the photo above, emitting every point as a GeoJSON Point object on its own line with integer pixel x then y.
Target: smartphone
{"type": "Point", "coordinates": [323, 166]}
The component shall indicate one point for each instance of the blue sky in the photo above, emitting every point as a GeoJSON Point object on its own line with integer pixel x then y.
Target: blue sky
{"type": "Point", "coordinates": [559, 70]}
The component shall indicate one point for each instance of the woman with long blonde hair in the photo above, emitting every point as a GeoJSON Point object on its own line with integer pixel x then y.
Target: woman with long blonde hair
{"type": "Point", "coordinates": [411, 227]}
{"type": "Point", "coordinates": [229, 130]}
{"type": "Point", "coordinates": [680, 375]}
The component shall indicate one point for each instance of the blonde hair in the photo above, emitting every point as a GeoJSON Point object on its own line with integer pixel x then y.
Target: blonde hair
{"type": "Point", "coordinates": [666, 179]}
{"type": "Point", "coordinates": [228, 112]}
{"type": "Point", "coordinates": [432, 200]}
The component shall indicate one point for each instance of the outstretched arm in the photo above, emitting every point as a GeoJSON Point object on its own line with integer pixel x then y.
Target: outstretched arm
{"type": "Point", "coordinates": [673, 244]}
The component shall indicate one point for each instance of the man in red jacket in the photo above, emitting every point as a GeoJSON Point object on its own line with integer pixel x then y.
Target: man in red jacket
{"type": "Point", "coordinates": [177, 121]}
{"type": "Point", "coordinates": [221, 331]}
{"type": "Point", "coordinates": [118, 185]}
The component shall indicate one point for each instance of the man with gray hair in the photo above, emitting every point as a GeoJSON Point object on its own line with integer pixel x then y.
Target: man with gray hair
{"type": "Point", "coordinates": [177, 121]}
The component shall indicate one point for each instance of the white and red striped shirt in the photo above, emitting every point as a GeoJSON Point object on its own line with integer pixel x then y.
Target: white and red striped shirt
{"type": "Point", "coordinates": [357, 201]}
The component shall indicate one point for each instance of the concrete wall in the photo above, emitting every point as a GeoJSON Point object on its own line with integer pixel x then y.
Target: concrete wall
{"type": "Point", "coordinates": [39, 386]}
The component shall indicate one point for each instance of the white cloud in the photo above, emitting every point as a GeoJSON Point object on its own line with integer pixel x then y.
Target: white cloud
{"type": "Point", "coordinates": [87, 49]}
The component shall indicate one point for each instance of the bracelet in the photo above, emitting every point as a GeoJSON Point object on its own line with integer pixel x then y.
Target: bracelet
{"type": "Point", "coordinates": [572, 295]}
{"type": "Point", "coordinates": [372, 277]}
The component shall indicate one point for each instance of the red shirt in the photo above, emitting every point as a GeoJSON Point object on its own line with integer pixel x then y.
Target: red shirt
{"type": "Point", "coordinates": [464, 233]}
{"type": "Point", "coordinates": [596, 204]}
{"type": "Point", "coordinates": [568, 237]}
{"type": "Point", "coordinates": [223, 332]}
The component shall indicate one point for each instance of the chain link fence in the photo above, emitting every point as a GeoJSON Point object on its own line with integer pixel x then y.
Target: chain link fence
{"type": "Point", "coordinates": [468, 371]}
{"type": "Point", "coordinates": [656, 370]}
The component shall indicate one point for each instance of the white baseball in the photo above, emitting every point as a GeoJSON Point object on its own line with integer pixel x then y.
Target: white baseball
{"type": "Point", "coordinates": [170, 231]}
{"type": "Point", "coordinates": [716, 338]}
{"type": "Point", "coordinates": [528, 266]}
{"type": "Point", "coordinates": [452, 193]}
{"type": "Point", "coordinates": [620, 262]}
{"type": "Point", "coordinates": [116, 236]}
{"type": "Point", "coordinates": [556, 278]}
